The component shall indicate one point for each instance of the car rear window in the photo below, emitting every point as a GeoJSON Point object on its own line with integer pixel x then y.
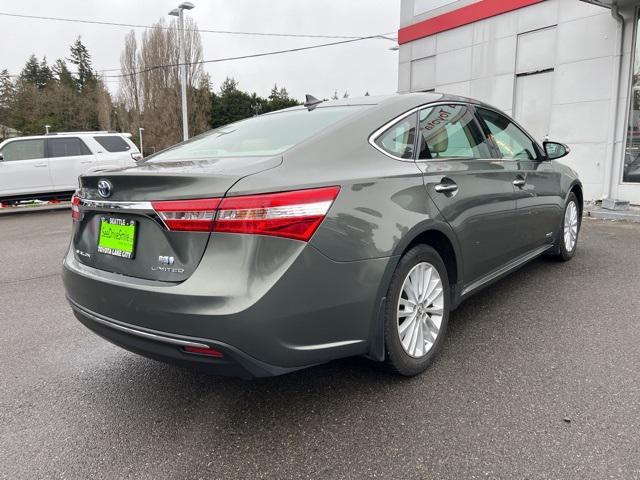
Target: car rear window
{"type": "Point", "coordinates": [263, 135]}
{"type": "Point", "coordinates": [113, 143]}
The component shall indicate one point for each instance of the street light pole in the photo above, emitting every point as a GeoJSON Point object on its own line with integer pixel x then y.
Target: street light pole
{"type": "Point", "coordinates": [140, 130]}
{"type": "Point", "coordinates": [179, 12]}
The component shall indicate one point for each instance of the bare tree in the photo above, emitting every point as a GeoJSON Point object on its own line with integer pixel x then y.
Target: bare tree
{"type": "Point", "coordinates": [129, 94]}
{"type": "Point", "coordinates": [149, 89]}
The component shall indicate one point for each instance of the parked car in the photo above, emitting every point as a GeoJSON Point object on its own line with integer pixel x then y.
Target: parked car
{"type": "Point", "coordinates": [47, 166]}
{"type": "Point", "coordinates": [342, 228]}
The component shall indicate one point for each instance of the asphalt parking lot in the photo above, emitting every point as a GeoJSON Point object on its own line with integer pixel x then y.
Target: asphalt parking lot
{"type": "Point", "coordinates": [539, 379]}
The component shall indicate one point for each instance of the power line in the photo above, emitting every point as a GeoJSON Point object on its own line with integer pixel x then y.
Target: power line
{"type": "Point", "coordinates": [242, 57]}
{"type": "Point", "coordinates": [344, 39]}
{"type": "Point", "coordinates": [200, 30]}
{"type": "Point", "coordinates": [228, 59]}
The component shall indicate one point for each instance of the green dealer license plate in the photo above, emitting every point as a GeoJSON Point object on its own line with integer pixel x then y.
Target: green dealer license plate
{"type": "Point", "coordinates": [117, 237]}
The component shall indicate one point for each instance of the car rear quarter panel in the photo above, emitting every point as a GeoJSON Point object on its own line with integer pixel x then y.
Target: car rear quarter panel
{"type": "Point", "coordinates": [381, 201]}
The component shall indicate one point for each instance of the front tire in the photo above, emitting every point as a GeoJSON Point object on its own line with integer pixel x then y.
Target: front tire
{"type": "Point", "coordinates": [417, 311]}
{"type": "Point", "coordinates": [569, 230]}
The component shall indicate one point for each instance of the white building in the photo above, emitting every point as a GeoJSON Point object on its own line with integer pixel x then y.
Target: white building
{"type": "Point", "coordinates": [560, 67]}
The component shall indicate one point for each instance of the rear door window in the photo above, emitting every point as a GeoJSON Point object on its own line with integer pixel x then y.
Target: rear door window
{"type": "Point", "coordinates": [23, 150]}
{"type": "Point", "coordinates": [450, 132]}
{"type": "Point", "coordinates": [67, 147]}
{"type": "Point", "coordinates": [113, 143]}
{"type": "Point", "coordinates": [399, 140]}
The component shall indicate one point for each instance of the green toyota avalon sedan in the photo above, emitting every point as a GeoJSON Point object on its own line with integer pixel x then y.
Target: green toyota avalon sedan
{"type": "Point", "coordinates": [323, 231]}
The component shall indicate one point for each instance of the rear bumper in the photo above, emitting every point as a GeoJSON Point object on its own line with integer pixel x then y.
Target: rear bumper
{"type": "Point", "coordinates": [171, 348]}
{"type": "Point", "coordinates": [271, 305]}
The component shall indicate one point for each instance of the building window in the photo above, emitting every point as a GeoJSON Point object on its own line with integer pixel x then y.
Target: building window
{"type": "Point", "coordinates": [631, 171]}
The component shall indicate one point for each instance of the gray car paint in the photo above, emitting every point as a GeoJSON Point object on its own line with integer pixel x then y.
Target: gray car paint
{"type": "Point", "coordinates": [288, 304]}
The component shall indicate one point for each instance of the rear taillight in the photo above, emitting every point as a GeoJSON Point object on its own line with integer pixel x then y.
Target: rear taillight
{"type": "Point", "coordinates": [188, 215]}
{"type": "Point", "coordinates": [295, 214]}
{"type": "Point", "coordinates": [75, 208]}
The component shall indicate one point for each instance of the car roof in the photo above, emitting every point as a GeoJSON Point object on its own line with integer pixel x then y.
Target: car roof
{"type": "Point", "coordinates": [415, 99]}
{"type": "Point", "coordinates": [68, 134]}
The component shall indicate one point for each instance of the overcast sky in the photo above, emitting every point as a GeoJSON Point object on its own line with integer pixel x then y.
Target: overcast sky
{"type": "Point", "coordinates": [359, 67]}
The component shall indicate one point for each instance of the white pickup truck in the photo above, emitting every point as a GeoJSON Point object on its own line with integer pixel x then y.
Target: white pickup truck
{"type": "Point", "coordinates": [47, 166]}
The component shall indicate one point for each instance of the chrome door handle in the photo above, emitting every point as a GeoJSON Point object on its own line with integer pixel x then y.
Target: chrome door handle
{"type": "Point", "coordinates": [37, 165]}
{"type": "Point", "coordinates": [519, 182]}
{"type": "Point", "coordinates": [446, 187]}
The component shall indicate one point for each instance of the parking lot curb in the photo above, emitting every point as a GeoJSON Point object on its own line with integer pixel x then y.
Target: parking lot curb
{"type": "Point", "coordinates": [39, 208]}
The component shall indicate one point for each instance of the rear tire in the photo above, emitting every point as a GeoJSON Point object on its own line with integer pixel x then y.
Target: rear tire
{"type": "Point", "coordinates": [567, 239]}
{"type": "Point", "coordinates": [417, 311]}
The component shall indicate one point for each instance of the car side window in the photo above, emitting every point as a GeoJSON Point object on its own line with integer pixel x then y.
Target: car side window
{"type": "Point", "coordinates": [23, 150]}
{"type": "Point", "coordinates": [512, 142]}
{"type": "Point", "coordinates": [67, 147]}
{"type": "Point", "coordinates": [399, 139]}
{"type": "Point", "coordinates": [450, 131]}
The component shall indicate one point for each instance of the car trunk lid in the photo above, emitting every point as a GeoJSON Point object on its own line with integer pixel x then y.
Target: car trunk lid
{"type": "Point", "coordinates": [119, 231]}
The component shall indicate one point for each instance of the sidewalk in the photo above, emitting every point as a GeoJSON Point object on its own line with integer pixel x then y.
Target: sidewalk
{"type": "Point", "coordinates": [596, 211]}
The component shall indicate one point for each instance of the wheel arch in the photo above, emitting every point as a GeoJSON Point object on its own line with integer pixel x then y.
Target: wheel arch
{"type": "Point", "coordinates": [441, 243]}
{"type": "Point", "coordinates": [576, 188]}
{"type": "Point", "coordinates": [440, 237]}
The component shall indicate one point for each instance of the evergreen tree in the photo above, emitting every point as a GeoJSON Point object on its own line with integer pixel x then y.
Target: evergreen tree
{"type": "Point", "coordinates": [45, 75]}
{"type": "Point", "coordinates": [335, 95]}
{"type": "Point", "coordinates": [229, 85]}
{"type": "Point", "coordinates": [232, 104]}
{"type": "Point", "coordinates": [7, 95]}
{"type": "Point", "coordinates": [275, 93]}
{"type": "Point", "coordinates": [52, 95]}
{"type": "Point", "coordinates": [81, 58]}
{"type": "Point", "coordinates": [366, 93]}
{"type": "Point", "coordinates": [258, 104]}
{"type": "Point", "coordinates": [278, 99]}
{"type": "Point", "coordinates": [31, 71]}
{"type": "Point", "coordinates": [62, 73]}
{"type": "Point", "coordinates": [346, 95]}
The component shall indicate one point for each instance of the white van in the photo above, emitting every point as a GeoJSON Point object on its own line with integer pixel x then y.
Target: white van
{"type": "Point", "coordinates": [47, 166]}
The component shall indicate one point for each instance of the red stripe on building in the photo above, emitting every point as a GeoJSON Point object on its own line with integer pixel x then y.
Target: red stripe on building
{"type": "Point", "coordinates": [462, 16]}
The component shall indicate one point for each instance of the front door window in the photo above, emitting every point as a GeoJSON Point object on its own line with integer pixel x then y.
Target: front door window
{"type": "Point", "coordinates": [512, 142]}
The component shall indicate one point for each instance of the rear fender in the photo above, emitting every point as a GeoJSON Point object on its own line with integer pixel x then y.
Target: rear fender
{"type": "Point", "coordinates": [376, 336]}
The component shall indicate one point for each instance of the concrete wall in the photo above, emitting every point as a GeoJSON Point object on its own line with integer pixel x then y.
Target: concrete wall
{"type": "Point", "coordinates": [573, 41]}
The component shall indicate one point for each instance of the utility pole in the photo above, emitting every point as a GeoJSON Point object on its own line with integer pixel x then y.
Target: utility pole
{"type": "Point", "coordinates": [179, 12]}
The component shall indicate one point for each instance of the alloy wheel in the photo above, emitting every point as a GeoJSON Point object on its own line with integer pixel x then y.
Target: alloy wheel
{"type": "Point", "coordinates": [420, 309]}
{"type": "Point", "coordinates": [570, 226]}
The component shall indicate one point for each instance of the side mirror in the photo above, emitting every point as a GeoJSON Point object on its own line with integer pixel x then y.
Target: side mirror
{"type": "Point", "coordinates": [1, 157]}
{"type": "Point", "coordinates": [555, 150]}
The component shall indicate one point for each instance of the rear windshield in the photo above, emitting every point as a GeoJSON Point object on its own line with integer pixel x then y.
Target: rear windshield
{"type": "Point", "coordinates": [264, 135]}
{"type": "Point", "coordinates": [113, 143]}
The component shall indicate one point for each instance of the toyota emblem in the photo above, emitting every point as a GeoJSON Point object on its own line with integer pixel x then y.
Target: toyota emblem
{"type": "Point", "coordinates": [104, 188]}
